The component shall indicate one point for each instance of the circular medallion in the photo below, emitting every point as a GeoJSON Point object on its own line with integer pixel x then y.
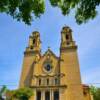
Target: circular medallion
{"type": "Point", "coordinates": [47, 67]}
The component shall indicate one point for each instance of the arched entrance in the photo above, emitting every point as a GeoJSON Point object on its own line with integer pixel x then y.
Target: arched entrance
{"type": "Point", "coordinates": [56, 95]}
{"type": "Point", "coordinates": [38, 95]}
{"type": "Point", "coordinates": [47, 95]}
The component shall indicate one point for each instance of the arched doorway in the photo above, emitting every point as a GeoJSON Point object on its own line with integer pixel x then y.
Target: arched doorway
{"type": "Point", "coordinates": [38, 95]}
{"type": "Point", "coordinates": [56, 95]}
{"type": "Point", "coordinates": [47, 95]}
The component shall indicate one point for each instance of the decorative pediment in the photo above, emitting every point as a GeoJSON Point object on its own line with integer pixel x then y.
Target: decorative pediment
{"type": "Point", "coordinates": [49, 53]}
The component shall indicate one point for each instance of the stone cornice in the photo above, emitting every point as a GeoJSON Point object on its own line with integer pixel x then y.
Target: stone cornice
{"type": "Point", "coordinates": [56, 75]}
{"type": "Point", "coordinates": [49, 87]}
{"type": "Point", "coordinates": [28, 53]}
{"type": "Point", "coordinates": [69, 48]}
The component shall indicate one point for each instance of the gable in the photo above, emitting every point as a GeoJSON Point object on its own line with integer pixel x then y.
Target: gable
{"type": "Point", "coordinates": [47, 65]}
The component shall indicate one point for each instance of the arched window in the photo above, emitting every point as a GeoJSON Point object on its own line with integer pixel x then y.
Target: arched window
{"type": "Point", "coordinates": [34, 41]}
{"type": "Point", "coordinates": [67, 36]}
{"type": "Point", "coordinates": [39, 81]}
{"type": "Point", "coordinates": [56, 95]}
{"type": "Point", "coordinates": [47, 81]}
{"type": "Point", "coordinates": [56, 81]}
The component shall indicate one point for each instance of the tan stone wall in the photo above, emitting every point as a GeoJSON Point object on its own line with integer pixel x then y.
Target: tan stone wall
{"type": "Point", "coordinates": [70, 67]}
{"type": "Point", "coordinates": [26, 71]}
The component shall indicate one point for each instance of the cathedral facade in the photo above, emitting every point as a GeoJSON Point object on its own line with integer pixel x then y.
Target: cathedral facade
{"type": "Point", "coordinates": [52, 77]}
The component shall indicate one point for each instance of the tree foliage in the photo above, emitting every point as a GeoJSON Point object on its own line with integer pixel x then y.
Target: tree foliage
{"type": "Point", "coordinates": [22, 9]}
{"type": "Point", "coordinates": [2, 92]}
{"type": "Point", "coordinates": [20, 94]}
{"type": "Point", "coordinates": [95, 92]}
{"type": "Point", "coordinates": [27, 10]}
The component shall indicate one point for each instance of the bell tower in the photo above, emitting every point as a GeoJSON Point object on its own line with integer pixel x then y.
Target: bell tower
{"type": "Point", "coordinates": [34, 42]}
{"type": "Point", "coordinates": [66, 38]}
{"type": "Point", "coordinates": [31, 55]}
{"type": "Point", "coordinates": [69, 66]}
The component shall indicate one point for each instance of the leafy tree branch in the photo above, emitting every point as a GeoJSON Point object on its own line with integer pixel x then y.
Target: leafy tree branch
{"type": "Point", "coordinates": [28, 10]}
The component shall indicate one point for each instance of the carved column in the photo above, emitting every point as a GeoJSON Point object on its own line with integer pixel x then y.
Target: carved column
{"type": "Point", "coordinates": [43, 95]}
{"type": "Point", "coordinates": [51, 94]}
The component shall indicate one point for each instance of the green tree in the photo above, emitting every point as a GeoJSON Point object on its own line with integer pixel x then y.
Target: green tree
{"type": "Point", "coordinates": [27, 10]}
{"type": "Point", "coordinates": [95, 92]}
{"type": "Point", "coordinates": [20, 94]}
{"type": "Point", "coordinates": [2, 92]}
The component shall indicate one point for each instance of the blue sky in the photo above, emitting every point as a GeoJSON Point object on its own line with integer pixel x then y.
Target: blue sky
{"type": "Point", "coordinates": [14, 39]}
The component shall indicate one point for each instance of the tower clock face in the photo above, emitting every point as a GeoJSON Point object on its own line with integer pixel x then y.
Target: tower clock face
{"type": "Point", "coordinates": [47, 67]}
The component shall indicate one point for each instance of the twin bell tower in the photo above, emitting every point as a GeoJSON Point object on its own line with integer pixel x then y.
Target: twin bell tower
{"type": "Point", "coordinates": [52, 77]}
